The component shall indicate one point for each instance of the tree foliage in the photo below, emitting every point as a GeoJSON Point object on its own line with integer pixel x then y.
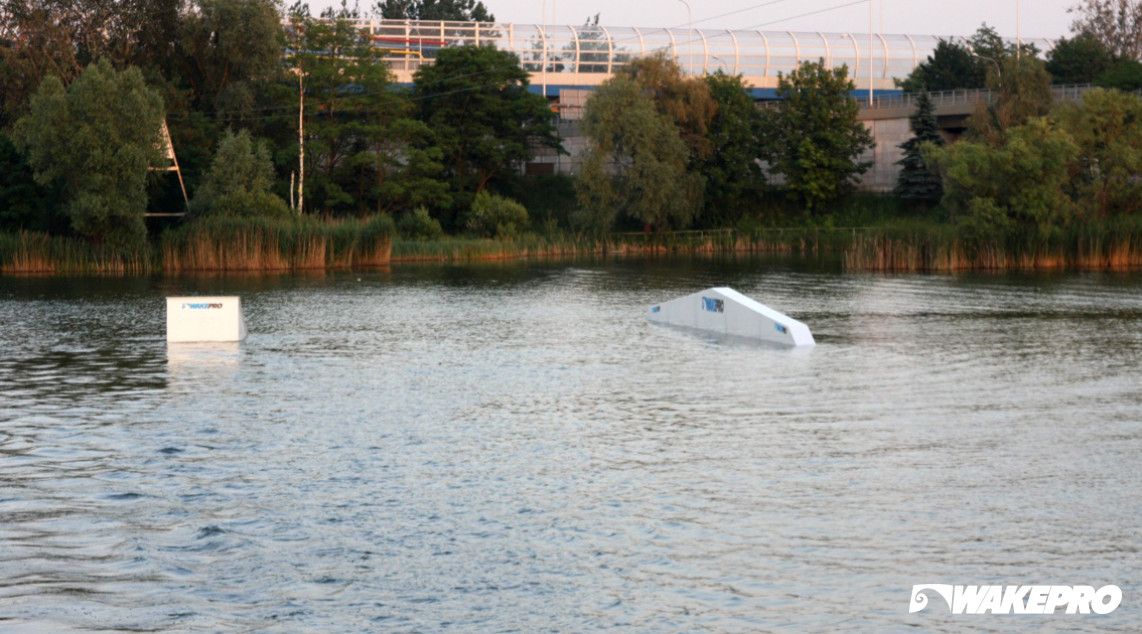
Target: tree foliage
{"type": "Point", "coordinates": [227, 46]}
{"type": "Point", "coordinates": [951, 66]}
{"type": "Point", "coordinates": [1117, 24]}
{"type": "Point", "coordinates": [96, 139]}
{"type": "Point", "coordinates": [63, 37]}
{"type": "Point", "coordinates": [24, 205]}
{"type": "Point", "coordinates": [451, 10]}
{"type": "Point", "coordinates": [1107, 128]}
{"type": "Point", "coordinates": [1018, 185]}
{"type": "Point", "coordinates": [348, 104]}
{"type": "Point", "coordinates": [918, 182]}
{"type": "Point", "coordinates": [636, 164]}
{"type": "Point", "coordinates": [1078, 60]}
{"type": "Point", "coordinates": [963, 65]}
{"type": "Point", "coordinates": [730, 168]}
{"type": "Point", "coordinates": [486, 122]}
{"type": "Point", "coordinates": [812, 137]}
{"type": "Point", "coordinates": [685, 100]}
{"type": "Point", "coordinates": [1022, 90]}
{"type": "Point", "coordinates": [1125, 75]}
{"type": "Point", "coordinates": [239, 181]}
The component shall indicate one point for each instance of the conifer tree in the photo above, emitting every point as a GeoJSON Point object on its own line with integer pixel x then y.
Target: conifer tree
{"type": "Point", "coordinates": [917, 183]}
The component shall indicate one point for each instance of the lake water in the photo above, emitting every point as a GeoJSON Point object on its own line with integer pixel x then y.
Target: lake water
{"type": "Point", "coordinates": [513, 448]}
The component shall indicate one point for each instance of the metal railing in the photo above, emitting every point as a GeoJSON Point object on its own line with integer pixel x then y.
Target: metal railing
{"type": "Point", "coordinates": [947, 98]}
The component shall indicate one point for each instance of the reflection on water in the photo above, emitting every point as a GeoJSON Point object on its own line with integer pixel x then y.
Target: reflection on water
{"type": "Point", "coordinates": [513, 447]}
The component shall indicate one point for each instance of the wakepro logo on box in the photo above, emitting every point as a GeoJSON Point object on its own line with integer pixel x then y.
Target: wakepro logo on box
{"type": "Point", "coordinates": [202, 319]}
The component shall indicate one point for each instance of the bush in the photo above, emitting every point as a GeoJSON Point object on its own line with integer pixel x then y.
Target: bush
{"type": "Point", "coordinates": [496, 216]}
{"type": "Point", "coordinates": [418, 225]}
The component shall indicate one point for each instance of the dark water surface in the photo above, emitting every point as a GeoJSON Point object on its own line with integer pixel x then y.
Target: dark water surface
{"type": "Point", "coordinates": [513, 448]}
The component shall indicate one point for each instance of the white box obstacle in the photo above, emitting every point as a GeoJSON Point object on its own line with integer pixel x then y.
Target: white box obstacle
{"type": "Point", "coordinates": [194, 319]}
{"type": "Point", "coordinates": [725, 311]}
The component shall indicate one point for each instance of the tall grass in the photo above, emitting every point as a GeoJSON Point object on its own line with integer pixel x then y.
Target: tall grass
{"type": "Point", "coordinates": [910, 247]}
{"type": "Point", "coordinates": [563, 244]}
{"type": "Point", "coordinates": [40, 253]}
{"type": "Point", "coordinates": [268, 244]}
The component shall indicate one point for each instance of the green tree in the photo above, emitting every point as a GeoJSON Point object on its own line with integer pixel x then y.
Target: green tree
{"type": "Point", "coordinates": [486, 122]}
{"type": "Point", "coordinates": [918, 183]}
{"type": "Point", "coordinates": [636, 163]}
{"type": "Point", "coordinates": [1125, 75]}
{"type": "Point", "coordinates": [951, 66]}
{"type": "Point", "coordinates": [965, 65]}
{"type": "Point", "coordinates": [402, 167]}
{"type": "Point", "coordinates": [1022, 89]}
{"type": "Point", "coordinates": [451, 10]}
{"type": "Point", "coordinates": [24, 205]}
{"type": "Point", "coordinates": [730, 168]}
{"type": "Point", "coordinates": [96, 139]}
{"type": "Point", "coordinates": [1079, 60]}
{"type": "Point", "coordinates": [1107, 128]}
{"type": "Point", "coordinates": [62, 37]}
{"type": "Point", "coordinates": [812, 137]}
{"type": "Point", "coordinates": [350, 106]}
{"type": "Point", "coordinates": [239, 181]}
{"type": "Point", "coordinates": [226, 48]}
{"type": "Point", "coordinates": [1018, 186]}
{"type": "Point", "coordinates": [1117, 24]}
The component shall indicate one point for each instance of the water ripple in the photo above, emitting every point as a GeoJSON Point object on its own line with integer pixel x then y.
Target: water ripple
{"type": "Point", "coordinates": [514, 448]}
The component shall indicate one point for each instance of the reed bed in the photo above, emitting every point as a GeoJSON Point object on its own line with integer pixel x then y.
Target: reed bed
{"type": "Point", "coordinates": [1097, 245]}
{"type": "Point", "coordinates": [259, 244]}
{"type": "Point", "coordinates": [263, 244]}
{"type": "Point", "coordinates": [28, 253]}
{"type": "Point", "coordinates": [563, 244]}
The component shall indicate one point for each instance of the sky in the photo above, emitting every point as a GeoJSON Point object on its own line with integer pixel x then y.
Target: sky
{"type": "Point", "coordinates": [1031, 18]}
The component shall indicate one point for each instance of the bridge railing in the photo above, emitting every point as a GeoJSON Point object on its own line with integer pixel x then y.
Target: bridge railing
{"type": "Point", "coordinates": [946, 98]}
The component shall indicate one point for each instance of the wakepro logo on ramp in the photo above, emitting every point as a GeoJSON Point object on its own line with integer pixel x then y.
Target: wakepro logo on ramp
{"type": "Point", "coordinates": [724, 311]}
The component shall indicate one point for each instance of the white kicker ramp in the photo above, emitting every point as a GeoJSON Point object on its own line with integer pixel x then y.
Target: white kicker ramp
{"type": "Point", "coordinates": [725, 311]}
{"type": "Point", "coordinates": [196, 319]}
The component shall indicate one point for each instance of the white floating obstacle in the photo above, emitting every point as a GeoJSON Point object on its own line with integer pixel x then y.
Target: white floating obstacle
{"type": "Point", "coordinates": [725, 311]}
{"type": "Point", "coordinates": [196, 319]}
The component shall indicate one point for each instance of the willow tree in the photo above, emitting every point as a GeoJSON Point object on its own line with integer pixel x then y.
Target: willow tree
{"type": "Point", "coordinates": [636, 162]}
{"type": "Point", "coordinates": [95, 140]}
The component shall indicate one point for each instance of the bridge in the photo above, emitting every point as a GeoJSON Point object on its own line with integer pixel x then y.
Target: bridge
{"type": "Point", "coordinates": [561, 57]}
